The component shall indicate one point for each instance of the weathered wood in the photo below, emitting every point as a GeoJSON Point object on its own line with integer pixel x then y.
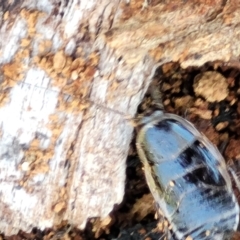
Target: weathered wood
{"type": "Point", "coordinates": [71, 73]}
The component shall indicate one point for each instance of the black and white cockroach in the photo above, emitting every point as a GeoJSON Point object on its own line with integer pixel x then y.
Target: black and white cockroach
{"type": "Point", "coordinates": [188, 178]}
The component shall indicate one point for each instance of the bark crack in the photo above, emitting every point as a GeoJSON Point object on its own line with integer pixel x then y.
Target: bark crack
{"type": "Point", "coordinates": [73, 163]}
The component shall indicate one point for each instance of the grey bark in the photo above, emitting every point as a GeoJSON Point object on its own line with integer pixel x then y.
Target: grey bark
{"type": "Point", "coordinates": [63, 127]}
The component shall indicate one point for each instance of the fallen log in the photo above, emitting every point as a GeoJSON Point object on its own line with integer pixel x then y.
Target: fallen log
{"type": "Point", "coordinates": [70, 74]}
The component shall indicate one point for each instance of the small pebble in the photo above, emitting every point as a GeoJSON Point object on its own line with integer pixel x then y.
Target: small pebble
{"type": "Point", "coordinates": [211, 85]}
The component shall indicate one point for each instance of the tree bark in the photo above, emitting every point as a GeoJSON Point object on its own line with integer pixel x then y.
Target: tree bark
{"type": "Point", "coordinates": [71, 73]}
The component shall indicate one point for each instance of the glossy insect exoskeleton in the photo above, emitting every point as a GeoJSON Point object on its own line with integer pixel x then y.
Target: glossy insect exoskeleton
{"type": "Point", "coordinates": [188, 178]}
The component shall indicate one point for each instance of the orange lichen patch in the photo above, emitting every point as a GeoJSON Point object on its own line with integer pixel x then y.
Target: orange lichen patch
{"type": "Point", "coordinates": [4, 98]}
{"type": "Point", "coordinates": [35, 143]}
{"type": "Point", "coordinates": [31, 18]}
{"type": "Point", "coordinates": [63, 193]}
{"type": "Point", "coordinates": [6, 15]}
{"type": "Point", "coordinates": [34, 155]}
{"type": "Point", "coordinates": [56, 127]}
{"type": "Point", "coordinates": [15, 70]}
{"type": "Point", "coordinates": [72, 76]}
{"type": "Point", "coordinates": [12, 70]}
{"type": "Point", "coordinates": [60, 206]}
{"type": "Point", "coordinates": [25, 42]}
{"type": "Point", "coordinates": [44, 47]}
{"type": "Point", "coordinates": [34, 163]}
{"type": "Point", "coordinates": [53, 118]}
{"type": "Point", "coordinates": [22, 54]}
{"type": "Point", "coordinates": [36, 160]}
{"type": "Point", "coordinates": [77, 63]}
{"type": "Point", "coordinates": [89, 72]}
{"type": "Point", "coordinates": [67, 73]}
{"type": "Point", "coordinates": [56, 131]}
{"type": "Point", "coordinates": [53, 63]}
{"type": "Point", "coordinates": [39, 168]}
{"type": "Point", "coordinates": [59, 61]}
